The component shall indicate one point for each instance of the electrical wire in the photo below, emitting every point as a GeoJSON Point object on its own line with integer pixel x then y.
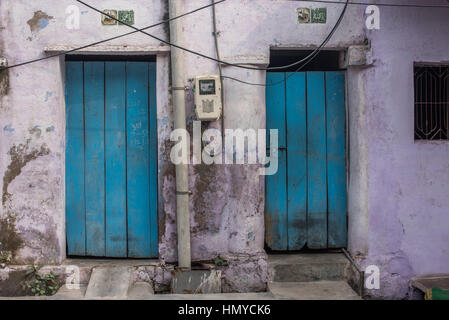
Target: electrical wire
{"type": "Point", "coordinates": [274, 83]}
{"type": "Point", "coordinates": [312, 56]}
{"type": "Point", "coordinates": [220, 69]}
{"type": "Point", "coordinates": [193, 11]}
{"type": "Point", "coordinates": [379, 4]}
{"type": "Point", "coordinates": [203, 55]}
{"type": "Point", "coordinates": [109, 39]}
{"type": "Point", "coordinates": [306, 59]}
{"type": "Point", "coordinates": [165, 41]}
{"type": "Point", "coordinates": [168, 42]}
{"type": "Point", "coordinates": [211, 58]}
{"type": "Point", "coordinates": [217, 50]}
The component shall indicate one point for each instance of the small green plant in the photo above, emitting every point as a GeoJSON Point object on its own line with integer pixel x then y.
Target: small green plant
{"type": "Point", "coordinates": [219, 261]}
{"type": "Point", "coordinates": [5, 257]}
{"type": "Point", "coordinates": [40, 285]}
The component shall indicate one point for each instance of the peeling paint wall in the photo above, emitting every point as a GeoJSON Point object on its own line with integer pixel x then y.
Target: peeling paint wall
{"type": "Point", "coordinates": [397, 191]}
{"type": "Point", "coordinates": [32, 117]}
{"type": "Point", "coordinates": [227, 204]}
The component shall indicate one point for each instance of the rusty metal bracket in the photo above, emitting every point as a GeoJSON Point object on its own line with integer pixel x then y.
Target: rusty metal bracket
{"type": "Point", "coordinates": [361, 273]}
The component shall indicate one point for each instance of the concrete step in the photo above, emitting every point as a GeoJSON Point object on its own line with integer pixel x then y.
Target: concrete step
{"type": "Point", "coordinates": [316, 290]}
{"type": "Point", "coordinates": [65, 293]}
{"type": "Point", "coordinates": [140, 291]}
{"type": "Point", "coordinates": [215, 296]}
{"type": "Point", "coordinates": [109, 282]}
{"type": "Point", "coordinates": [308, 267]}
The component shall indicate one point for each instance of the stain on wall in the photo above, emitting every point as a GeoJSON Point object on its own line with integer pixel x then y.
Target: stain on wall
{"type": "Point", "coordinates": [21, 155]}
{"type": "Point", "coordinates": [39, 21]}
{"type": "Point", "coordinates": [10, 241]}
{"type": "Point", "coordinates": [4, 81]}
{"type": "Point", "coordinates": [166, 16]}
{"type": "Point", "coordinates": [209, 182]}
{"type": "Point", "coordinates": [4, 74]}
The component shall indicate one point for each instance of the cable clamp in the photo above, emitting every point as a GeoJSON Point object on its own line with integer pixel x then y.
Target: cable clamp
{"type": "Point", "coordinates": [183, 192]}
{"type": "Point", "coordinates": [180, 88]}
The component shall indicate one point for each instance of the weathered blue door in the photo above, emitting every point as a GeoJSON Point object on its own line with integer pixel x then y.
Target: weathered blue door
{"type": "Point", "coordinates": [306, 198]}
{"type": "Point", "coordinates": [111, 163]}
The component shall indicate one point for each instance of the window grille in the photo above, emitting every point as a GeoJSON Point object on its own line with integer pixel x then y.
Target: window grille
{"type": "Point", "coordinates": [431, 102]}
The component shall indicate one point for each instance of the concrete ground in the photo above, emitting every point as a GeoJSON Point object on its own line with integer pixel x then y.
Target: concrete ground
{"type": "Point", "coordinates": [319, 290]}
{"type": "Point", "coordinates": [296, 277]}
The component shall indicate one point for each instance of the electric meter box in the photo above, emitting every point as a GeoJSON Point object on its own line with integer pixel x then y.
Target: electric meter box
{"type": "Point", "coordinates": [208, 103]}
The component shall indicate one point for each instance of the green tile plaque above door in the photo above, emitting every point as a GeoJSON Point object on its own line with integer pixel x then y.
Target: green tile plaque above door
{"type": "Point", "coordinates": [316, 15]}
{"type": "Point", "coordinates": [126, 16]}
{"type": "Point", "coordinates": [319, 15]}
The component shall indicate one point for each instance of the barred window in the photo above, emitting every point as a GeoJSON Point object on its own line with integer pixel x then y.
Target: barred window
{"type": "Point", "coordinates": [431, 102]}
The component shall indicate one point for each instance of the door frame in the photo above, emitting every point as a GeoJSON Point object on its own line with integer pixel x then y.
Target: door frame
{"type": "Point", "coordinates": [347, 160]}
{"type": "Point", "coordinates": [160, 57]}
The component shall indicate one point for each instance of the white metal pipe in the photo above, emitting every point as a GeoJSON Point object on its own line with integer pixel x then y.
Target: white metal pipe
{"type": "Point", "coordinates": [179, 105]}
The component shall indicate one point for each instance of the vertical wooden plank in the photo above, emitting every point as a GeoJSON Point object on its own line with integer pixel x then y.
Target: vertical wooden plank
{"type": "Point", "coordinates": [276, 232]}
{"type": "Point", "coordinates": [154, 250]}
{"type": "Point", "coordinates": [276, 185]}
{"type": "Point", "coordinates": [336, 158]}
{"type": "Point", "coordinates": [115, 151]}
{"type": "Point", "coordinates": [95, 178]}
{"type": "Point", "coordinates": [75, 210]}
{"type": "Point", "coordinates": [317, 165]}
{"type": "Point", "coordinates": [296, 160]}
{"type": "Point", "coordinates": [138, 169]}
{"type": "Point", "coordinates": [275, 107]}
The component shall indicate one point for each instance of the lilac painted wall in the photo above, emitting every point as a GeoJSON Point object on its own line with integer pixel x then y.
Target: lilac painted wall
{"type": "Point", "coordinates": [407, 180]}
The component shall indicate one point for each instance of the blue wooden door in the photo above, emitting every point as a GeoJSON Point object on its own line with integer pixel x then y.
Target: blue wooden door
{"type": "Point", "coordinates": [305, 202]}
{"type": "Point", "coordinates": [111, 162]}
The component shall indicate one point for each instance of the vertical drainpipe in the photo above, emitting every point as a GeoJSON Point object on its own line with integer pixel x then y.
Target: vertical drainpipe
{"type": "Point", "coordinates": [179, 105]}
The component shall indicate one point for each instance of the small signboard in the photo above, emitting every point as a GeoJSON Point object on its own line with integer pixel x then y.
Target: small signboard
{"type": "Point", "coordinates": [307, 15]}
{"type": "Point", "coordinates": [108, 21]}
{"type": "Point", "coordinates": [319, 15]}
{"type": "Point", "coordinates": [303, 15]}
{"type": "Point", "coordinates": [127, 16]}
